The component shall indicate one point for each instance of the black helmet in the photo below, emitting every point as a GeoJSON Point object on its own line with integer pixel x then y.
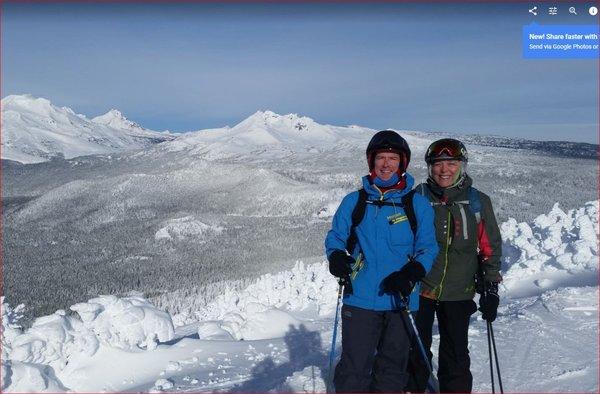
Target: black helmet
{"type": "Point", "coordinates": [446, 149]}
{"type": "Point", "coordinates": [388, 140]}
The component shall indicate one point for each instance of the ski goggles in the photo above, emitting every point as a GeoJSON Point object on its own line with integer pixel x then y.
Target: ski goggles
{"type": "Point", "coordinates": [448, 149]}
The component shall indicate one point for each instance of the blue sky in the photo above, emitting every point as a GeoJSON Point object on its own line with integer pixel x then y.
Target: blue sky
{"type": "Point", "coordinates": [432, 67]}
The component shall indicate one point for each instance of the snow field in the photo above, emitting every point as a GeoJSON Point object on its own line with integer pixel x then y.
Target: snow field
{"type": "Point", "coordinates": [187, 227]}
{"type": "Point", "coordinates": [275, 334]}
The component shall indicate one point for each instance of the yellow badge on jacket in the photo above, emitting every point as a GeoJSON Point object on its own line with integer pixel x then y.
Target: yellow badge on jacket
{"type": "Point", "coordinates": [397, 218]}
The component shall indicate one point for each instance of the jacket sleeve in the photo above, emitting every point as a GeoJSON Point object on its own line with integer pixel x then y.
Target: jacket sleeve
{"type": "Point", "coordinates": [426, 246]}
{"type": "Point", "coordinates": [340, 228]}
{"type": "Point", "coordinates": [490, 240]}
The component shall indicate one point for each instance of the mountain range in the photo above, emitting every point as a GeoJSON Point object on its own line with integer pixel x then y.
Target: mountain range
{"type": "Point", "coordinates": [34, 130]}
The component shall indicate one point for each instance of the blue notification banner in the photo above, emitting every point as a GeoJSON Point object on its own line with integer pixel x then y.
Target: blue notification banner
{"type": "Point", "coordinates": [560, 41]}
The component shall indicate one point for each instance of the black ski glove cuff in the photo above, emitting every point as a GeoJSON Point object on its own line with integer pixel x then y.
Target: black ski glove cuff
{"type": "Point", "coordinates": [340, 264]}
{"type": "Point", "coordinates": [489, 301]}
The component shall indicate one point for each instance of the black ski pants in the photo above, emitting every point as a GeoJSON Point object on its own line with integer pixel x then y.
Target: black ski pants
{"type": "Point", "coordinates": [374, 352]}
{"type": "Point", "coordinates": [454, 363]}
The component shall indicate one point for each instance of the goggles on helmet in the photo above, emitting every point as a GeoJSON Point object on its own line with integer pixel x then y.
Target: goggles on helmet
{"type": "Point", "coordinates": [446, 149]}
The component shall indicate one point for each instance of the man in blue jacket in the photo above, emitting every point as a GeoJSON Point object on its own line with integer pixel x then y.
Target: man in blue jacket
{"type": "Point", "coordinates": [375, 343]}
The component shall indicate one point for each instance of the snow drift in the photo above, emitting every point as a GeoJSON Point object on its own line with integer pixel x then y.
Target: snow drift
{"type": "Point", "coordinates": [31, 358]}
{"type": "Point", "coordinates": [558, 249]}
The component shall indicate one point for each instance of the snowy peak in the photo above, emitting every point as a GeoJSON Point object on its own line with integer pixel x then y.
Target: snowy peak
{"type": "Point", "coordinates": [26, 101]}
{"type": "Point", "coordinates": [34, 130]}
{"type": "Point", "coordinates": [114, 118]}
{"type": "Point", "coordinates": [29, 104]}
{"type": "Point", "coordinates": [270, 119]}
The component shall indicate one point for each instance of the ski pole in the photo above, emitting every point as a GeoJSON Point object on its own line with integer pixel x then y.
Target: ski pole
{"type": "Point", "coordinates": [491, 340]}
{"type": "Point", "coordinates": [490, 354]}
{"type": "Point", "coordinates": [418, 338]}
{"type": "Point", "coordinates": [431, 380]}
{"type": "Point", "coordinates": [335, 325]}
{"type": "Point", "coordinates": [491, 328]}
{"type": "Point", "coordinates": [488, 326]}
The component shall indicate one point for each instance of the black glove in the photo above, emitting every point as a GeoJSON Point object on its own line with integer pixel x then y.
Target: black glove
{"type": "Point", "coordinates": [488, 302]}
{"type": "Point", "coordinates": [404, 280]}
{"type": "Point", "coordinates": [340, 264]}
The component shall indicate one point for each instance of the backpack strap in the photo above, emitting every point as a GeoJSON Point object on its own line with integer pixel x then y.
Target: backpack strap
{"type": "Point", "coordinates": [475, 203]}
{"type": "Point", "coordinates": [357, 216]}
{"type": "Point", "coordinates": [409, 209]}
{"type": "Point", "coordinates": [360, 208]}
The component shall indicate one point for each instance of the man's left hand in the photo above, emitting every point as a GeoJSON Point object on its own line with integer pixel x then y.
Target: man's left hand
{"type": "Point", "coordinates": [404, 280]}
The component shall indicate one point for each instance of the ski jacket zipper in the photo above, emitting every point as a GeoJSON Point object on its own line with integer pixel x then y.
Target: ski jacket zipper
{"type": "Point", "coordinates": [445, 256]}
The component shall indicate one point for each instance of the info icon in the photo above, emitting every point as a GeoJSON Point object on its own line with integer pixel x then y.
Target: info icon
{"type": "Point", "coordinates": [593, 11]}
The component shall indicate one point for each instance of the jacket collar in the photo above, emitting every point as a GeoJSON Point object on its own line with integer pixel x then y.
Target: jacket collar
{"type": "Point", "coordinates": [374, 193]}
{"type": "Point", "coordinates": [450, 194]}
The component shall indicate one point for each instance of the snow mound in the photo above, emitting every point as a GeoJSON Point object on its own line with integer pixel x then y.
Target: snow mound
{"type": "Point", "coordinates": [52, 340]}
{"type": "Point", "coordinates": [27, 377]}
{"type": "Point", "coordinates": [558, 249]}
{"type": "Point", "coordinates": [162, 384]}
{"type": "Point", "coordinates": [10, 325]}
{"type": "Point", "coordinates": [18, 377]}
{"type": "Point", "coordinates": [260, 311]}
{"type": "Point", "coordinates": [212, 330]}
{"type": "Point", "coordinates": [125, 323]}
{"type": "Point", "coordinates": [259, 322]}
{"type": "Point", "coordinates": [309, 380]}
{"type": "Point", "coordinates": [186, 227]}
{"type": "Point", "coordinates": [300, 288]}
{"type": "Point", "coordinates": [32, 356]}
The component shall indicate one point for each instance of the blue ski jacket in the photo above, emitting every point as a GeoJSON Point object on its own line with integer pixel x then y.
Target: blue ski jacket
{"type": "Point", "coordinates": [385, 240]}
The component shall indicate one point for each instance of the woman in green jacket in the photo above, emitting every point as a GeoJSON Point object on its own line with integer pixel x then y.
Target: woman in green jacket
{"type": "Point", "coordinates": [470, 243]}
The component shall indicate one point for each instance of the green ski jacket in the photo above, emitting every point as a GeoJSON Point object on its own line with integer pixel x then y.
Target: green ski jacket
{"type": "Point", "coordinates": [463, 241]}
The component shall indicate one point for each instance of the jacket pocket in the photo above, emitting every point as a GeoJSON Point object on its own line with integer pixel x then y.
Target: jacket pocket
{"type": "Point", "coordinates": [400, 233]}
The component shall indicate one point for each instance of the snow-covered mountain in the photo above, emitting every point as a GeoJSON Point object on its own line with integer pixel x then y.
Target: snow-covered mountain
{"type": "Point", "coordinates": [266, 135]}
{"type": "Point", "coordinates": [34, 130]}
{"type": "Point", "coordinates": [115, 119]}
